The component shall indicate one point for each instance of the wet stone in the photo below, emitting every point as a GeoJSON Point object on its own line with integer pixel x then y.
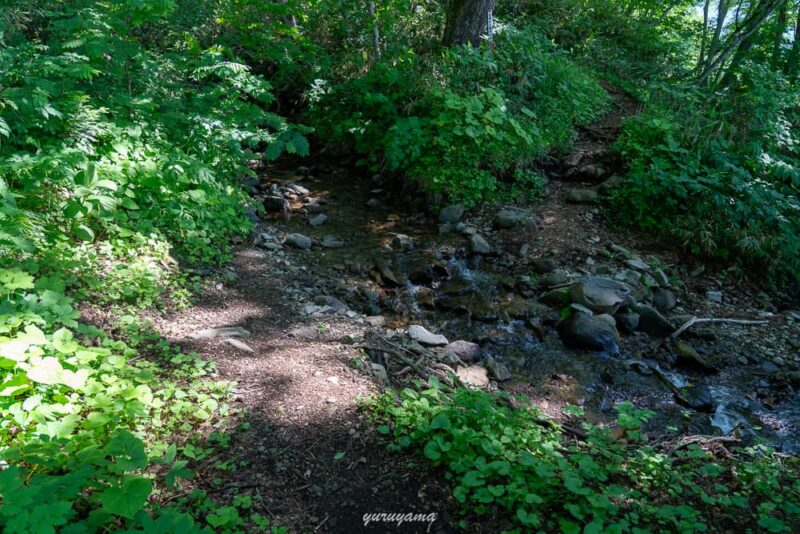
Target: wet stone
{"type": "Point", "coordinates": [653, 323]}
{"type": "Point", "coordinates": [582, 331]}
{"type": "Point", "coordinates": [451, 214]}
{"type": "Point", "coordinates": [664, 299]}
{"type": "Point", "coordinates": [298, 241]}
{"type": "Point", "coordinates": [422, 335]}
{"type": "Point", "coordinates": [601, 295]}
{"type": "Point", "coordinates": [661, 278]}
{"type": "Point", "coordinates": [699, 398]}
{"type": "Point", "coordinates": [318, 219]}
{"type": "Point", "coordinates": [627, 322]}
{"type": "Point", "coordinates": [276, 204]}
{"type": "Point", "coordinates": [556, 298]}
{"type": "Point", "coordinates": [545, 265]}
{"type": "Point", "coordinates": [479, 245]}
{"type": "Point", "coordinates": [402, 242]}
{"type": "Point", "coordinates": [638, 265]}
{"type": "Point", "coordinates": [555, 278]}
{"type": "Point", "coordinates": [687, 355]}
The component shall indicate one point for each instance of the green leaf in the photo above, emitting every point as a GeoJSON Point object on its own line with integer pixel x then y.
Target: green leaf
{"type": "Point", "coordinates": [128, 450]}
{"type": "Point", "coordinates": [178, 469]}
{"type": "Point", "coordinates": [16, 385]}
{"type": "Point", "coordinates": [11, 280]}
{"type": "Point", "coordinates": [84, 232]}
{"type": "Point", "coordinates": [129, 204]}
{"type": "Point", "coordinates": [473, 479]}
{"type": "Point", "coordinates": [528, 519]}
{"type": "Point", "coordinates": [432, 451]}
{"type": "Point", "coordinates": [88, 176]}
{"type": "Point", "coordinates": [773, 524]}
{"type": "Point", "coordinates": [127, 498]}
{"type": "Point", "coordinates": [46, 370]}
{"type": "Point", "coordinates": [63, 342]}
{"type": "Point", "coordinates": [441, 421]}
{"type": "Point", "coordinates": [106, 184]}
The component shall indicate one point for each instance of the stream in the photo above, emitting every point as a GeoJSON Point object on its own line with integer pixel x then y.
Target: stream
{"type": "Point", "coordinates": [380, 254]}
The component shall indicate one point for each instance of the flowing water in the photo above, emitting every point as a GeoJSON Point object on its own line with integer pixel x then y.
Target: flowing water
{"type": "Point", "coordinates": [436, 284]}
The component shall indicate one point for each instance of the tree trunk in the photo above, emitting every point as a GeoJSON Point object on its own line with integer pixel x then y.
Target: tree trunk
{"type": "Point", "coordinates": [376, 32]}
{"type": "Point", "coordinates": [466, 21]}
{"type": "Point", "coordinates": [761, 12]}
{"type": "Point", "coordinates": [791, 67]}
{"type": "Point", "coordinates": [705, 35]}
{"type": "Point", "coordinates": [780, 29]}
{"type": "Point", "coordinates": [722, 13]}
{"type": "Point", "coordinates": [741, 41]}
{"type": "Point", "coordinates": [289, 20]}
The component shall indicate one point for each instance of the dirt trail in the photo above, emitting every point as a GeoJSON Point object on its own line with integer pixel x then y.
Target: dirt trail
{"type": "Point", "coordinates": [301, 394]}
{"type": "Point", "coordinates": [317, 465]}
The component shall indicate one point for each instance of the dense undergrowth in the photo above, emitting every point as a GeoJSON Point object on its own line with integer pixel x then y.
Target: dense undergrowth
{"type": "Point", "coordinates": [718, 173]}
{"type": "Point", "coordinates": [526, 473]}
{"type": "Point", "coordinates": [467, 126]}
{"type": "Point", "coordinates": [120, 153]}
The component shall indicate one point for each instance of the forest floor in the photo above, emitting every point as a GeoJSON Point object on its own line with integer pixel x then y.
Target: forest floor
{"type": "Point", "coordinates": [308, 450]}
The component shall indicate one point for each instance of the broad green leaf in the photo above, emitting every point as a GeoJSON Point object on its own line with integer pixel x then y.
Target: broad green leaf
{"type": "Point", "coordinates": [46, 370]}
{"type": "Point", "coordinates": [432, 451]}
{"type": "Point", "coordinates": [63, 342]}
{"type": "Point", "coordinates": [11, 280]}
{"type": "Point", "coordinates": [128, 450]}
{"type": "Point", "coordinates": [16, 385]}
{"type": "Point", "coordinates": [127, 498]}
{"type": "Point", "coordinates": [84, 232]}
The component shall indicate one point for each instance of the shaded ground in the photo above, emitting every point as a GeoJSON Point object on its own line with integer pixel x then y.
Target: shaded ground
{"type": "Point", "coordinates": [302, 397]}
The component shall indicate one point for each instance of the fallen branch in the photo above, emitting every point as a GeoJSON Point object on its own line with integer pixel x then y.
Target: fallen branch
{"type": "Point", "coordinates": [400, 356]}
{"type": "Point", "coordinates": [695, 320]}
{"type": "Point", "coordinates": [703, 440]}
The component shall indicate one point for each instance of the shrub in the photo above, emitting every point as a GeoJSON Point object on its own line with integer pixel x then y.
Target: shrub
{"type": "Point", "coordinates": [517, 466]}
{"type": "Point", "coordinates": [718, 173]}
{"type": "Point", "coordinates": [461, 126]}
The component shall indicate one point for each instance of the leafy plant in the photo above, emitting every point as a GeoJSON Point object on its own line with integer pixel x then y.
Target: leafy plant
{"type": "Point", "coordinates": [523, 467]}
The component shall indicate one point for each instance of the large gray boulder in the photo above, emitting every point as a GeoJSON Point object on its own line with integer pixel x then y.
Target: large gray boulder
{"type": "Point", "coordinates": [421, 335]}
{"type": "Point", "coordinates": [466, 350]}
{"type": "Point", "coordinates": [601, 295]}
{"type": "Point", "coordinates": [511, 217]}
{"type": "Point", "coordinates": [653, 323]}
{"type": "Point", "coordinates": [298, 241]}
{"type": "Point", "coordinates": [451, 214]}
{"type": "Point", "coordinates": [589, 332]}
{"type": "Point", "coordinates": [276, 204]}
{"type": "Point", "coordinates": [479, 245]}
{"type": "Point", "coordinates": [664, 299]}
